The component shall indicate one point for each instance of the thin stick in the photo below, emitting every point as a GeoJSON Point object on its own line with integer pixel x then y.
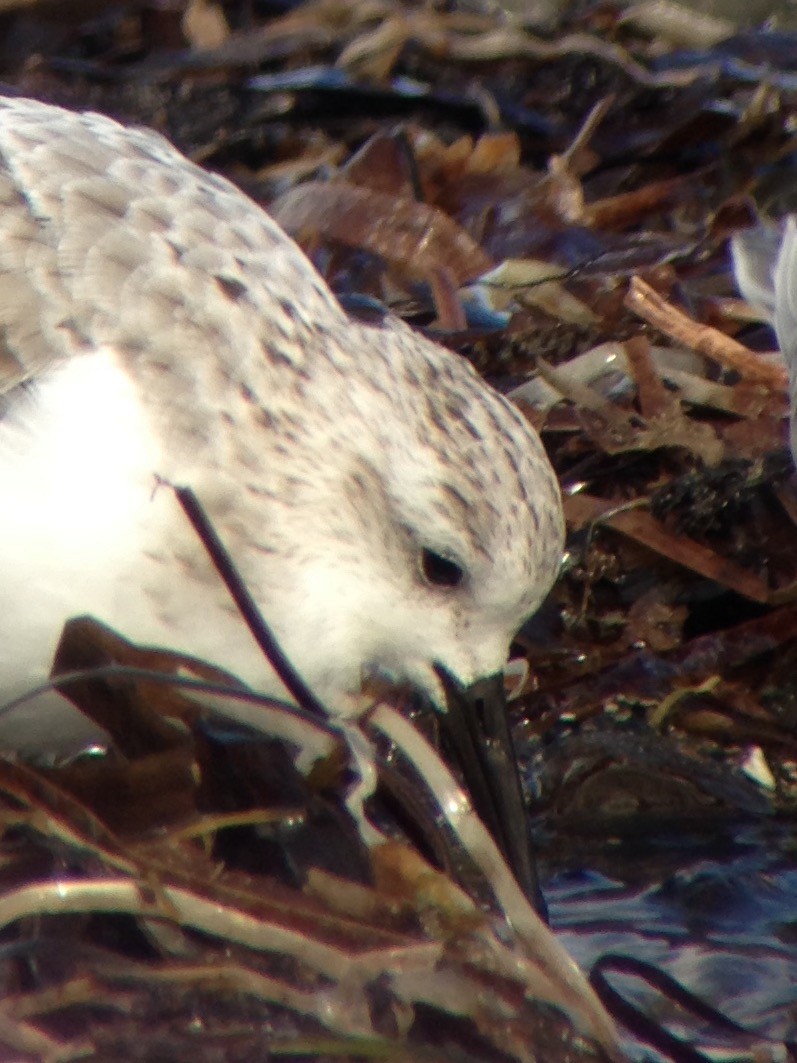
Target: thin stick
{"type": "Point", "coordinates": [648, 304]}
{"type": "Point", "coordinates": [225, 566]}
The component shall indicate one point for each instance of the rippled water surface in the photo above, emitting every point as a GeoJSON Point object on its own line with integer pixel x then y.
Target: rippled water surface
{"type": "Point", "coordinates": [716, 909]}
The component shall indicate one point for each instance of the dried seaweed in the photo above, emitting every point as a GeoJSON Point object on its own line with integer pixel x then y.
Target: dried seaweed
{"type": "Point", "coordinates": [263, 897]}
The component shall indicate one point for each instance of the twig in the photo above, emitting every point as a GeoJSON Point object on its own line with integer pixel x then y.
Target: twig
{"type": "Point", "coordinates": [247, 606]}
{"type": "Point", "coordinates": [648, 304]}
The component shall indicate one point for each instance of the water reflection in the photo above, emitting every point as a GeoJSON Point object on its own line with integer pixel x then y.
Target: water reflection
{"type": "Point", "coordinates": [721, 917]}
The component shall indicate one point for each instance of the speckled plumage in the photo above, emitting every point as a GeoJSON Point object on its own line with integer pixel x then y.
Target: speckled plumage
{"type": "Point", "coordinates": [156, 322]}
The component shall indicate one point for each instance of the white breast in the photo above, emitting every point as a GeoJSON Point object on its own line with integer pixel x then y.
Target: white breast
{"type": "Point", "coordinates": [84, 530]}
{"type": "Point", "coordinates": [75, 457]}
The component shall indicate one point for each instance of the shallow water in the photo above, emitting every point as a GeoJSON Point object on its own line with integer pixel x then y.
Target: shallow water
{"type": "Point", "coordinates": [716, 910]}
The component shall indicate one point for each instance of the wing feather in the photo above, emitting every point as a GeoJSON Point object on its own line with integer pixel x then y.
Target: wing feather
{"type": "Point", "coordinates": [108, 236]}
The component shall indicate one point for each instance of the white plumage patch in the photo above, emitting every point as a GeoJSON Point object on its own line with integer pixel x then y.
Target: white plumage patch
{"type": "Point", "coordinates": [77, 465]}
{"type": "Point", "coordinates": [75, 450]}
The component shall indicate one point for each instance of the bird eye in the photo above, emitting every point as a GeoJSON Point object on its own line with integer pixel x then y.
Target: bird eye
{"type": "Point", "coordinates": [440, 571]}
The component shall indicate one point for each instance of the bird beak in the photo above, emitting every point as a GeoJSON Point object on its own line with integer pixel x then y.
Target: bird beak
{"type": "Point", "coordinates": [476, 727]}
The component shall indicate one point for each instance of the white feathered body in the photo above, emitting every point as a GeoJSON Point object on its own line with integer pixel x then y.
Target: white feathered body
{"type": "Point", "coordinates": [156, 323]}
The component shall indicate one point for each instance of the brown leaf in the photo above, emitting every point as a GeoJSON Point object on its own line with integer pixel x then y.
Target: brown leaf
{"type": "Point", "coordinates": [416, 237]}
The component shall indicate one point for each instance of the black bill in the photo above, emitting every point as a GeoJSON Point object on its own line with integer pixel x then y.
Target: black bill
{"type": "Point", "coordinates": [476, 727]}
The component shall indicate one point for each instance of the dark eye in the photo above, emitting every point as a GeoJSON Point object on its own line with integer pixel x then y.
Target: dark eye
{"type": "Point", "coordinates": [440, 571]}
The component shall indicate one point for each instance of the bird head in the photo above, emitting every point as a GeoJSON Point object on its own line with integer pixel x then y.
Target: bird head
{"type": "Point", "coordinates": [422, 539]}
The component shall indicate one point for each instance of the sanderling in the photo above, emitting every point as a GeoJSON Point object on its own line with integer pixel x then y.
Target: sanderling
{"type": "Point", "coordinates": [389, 511]}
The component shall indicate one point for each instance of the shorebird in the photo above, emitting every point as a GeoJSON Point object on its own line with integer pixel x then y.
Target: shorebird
{"type": "Point", "coordinates": [392, 515]}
